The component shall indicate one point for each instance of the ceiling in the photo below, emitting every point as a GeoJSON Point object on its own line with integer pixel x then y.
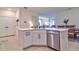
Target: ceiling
{"type": "Point", "coordinates": [9, 8]}
{"type": "Point", "coordinates": [51, 10]}
{"type": "Point", "coordinates": [40, 10]}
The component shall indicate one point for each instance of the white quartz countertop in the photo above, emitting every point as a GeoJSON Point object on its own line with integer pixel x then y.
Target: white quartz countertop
{"type": "Point", "coordinates": [25, 29]}
{"type": "Point", "coordinates": [57, 29]}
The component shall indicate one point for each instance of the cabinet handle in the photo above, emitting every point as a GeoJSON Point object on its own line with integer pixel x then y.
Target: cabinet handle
{"type": "Point", "coordinates": [39, 36]}
{"type": "Point", "coordinates": [27, 33]}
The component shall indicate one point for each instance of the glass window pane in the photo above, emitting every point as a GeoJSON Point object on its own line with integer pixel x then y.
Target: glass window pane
{"type": "Point", "coordinates": [46, 22]}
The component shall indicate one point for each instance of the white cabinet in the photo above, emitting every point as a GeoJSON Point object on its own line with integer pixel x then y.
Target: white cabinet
{"type": "Point", "coordinates": [43, 37]}
{"type": "Point", "coordinates": [35, 37]}
{"type": "Point", "coordinates": [25, 38]}
{"type": "Point", "coordinates": [57, 39]}
{"type": "Point", "coordinates": [53, 39]}
{"type": "Point", "coordinates": [39, 37]}
{"type": "Point", "coordinates": [32, 37]}
{"type": "Point", "coordinates": [64, 40]}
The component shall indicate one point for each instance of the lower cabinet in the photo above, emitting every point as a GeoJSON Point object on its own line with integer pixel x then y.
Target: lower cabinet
{"type": "Point", "coordinates": [32, 37]}
{"type": "Point", "coordinates": [25, 38]}
{"type": "Point", "coordinates": [39, 37]}
{"type": "Point", "coordinates": [58, 39]}
{"type": "Point", "coordinates": [53, 39]}
{"type": "Point", "coordinates": [35, 38]}
{"type": "Point", "coordinates": [43, 37]}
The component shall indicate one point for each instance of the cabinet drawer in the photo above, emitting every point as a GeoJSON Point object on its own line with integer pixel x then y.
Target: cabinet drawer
{"type": "Point", "coordinates": [27, 33]}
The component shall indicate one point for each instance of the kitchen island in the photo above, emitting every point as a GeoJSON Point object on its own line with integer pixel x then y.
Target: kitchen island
{"type": "Point", "coordinates": [52, 37]}
{"type": "Point", "coordinates": [57, 38]}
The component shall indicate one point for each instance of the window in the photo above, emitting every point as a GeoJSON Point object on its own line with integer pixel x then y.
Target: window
{"type": "Point", "coordinates": [46, 22]}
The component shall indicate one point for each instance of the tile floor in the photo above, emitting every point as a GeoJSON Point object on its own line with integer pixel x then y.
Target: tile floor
{"type": "Point", "coordinates": [38, 49]}
{"type": "Point", "coordinates": [74, 39]}
{"type": "Point", "coordinates": [10, 44]}
{"type": "Point", "coordinates": [73, 46]}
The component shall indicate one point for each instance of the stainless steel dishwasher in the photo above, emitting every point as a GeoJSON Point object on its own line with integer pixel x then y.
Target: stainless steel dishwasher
{"type": "Point", "coordinates": [53, 39]}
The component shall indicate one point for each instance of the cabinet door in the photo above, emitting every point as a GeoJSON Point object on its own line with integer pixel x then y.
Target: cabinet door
{"type": "Point", "coordinates": [43, 37]}
{"type": "Point", "coordinates": [35, 37]}
{"type": "Point", "coordinates": [64, 40]}
{"type": "Point", "coordinates": [27, 39]}
{"type": "Point", "coordinates": [56, 40]}
{"type": "Point", "coordinates": [50, 40]}
{"type": "Point", "coordinates": [39, 37]}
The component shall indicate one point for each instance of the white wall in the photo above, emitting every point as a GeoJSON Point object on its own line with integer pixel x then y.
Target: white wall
{"type": "Point", "coordinates": [72, 14]}
{"type": "Point", "coordinates": [25, 15]}
{"type": "Point", "coordinates": [7, 19]}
